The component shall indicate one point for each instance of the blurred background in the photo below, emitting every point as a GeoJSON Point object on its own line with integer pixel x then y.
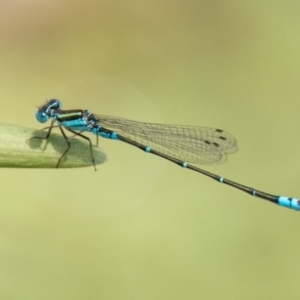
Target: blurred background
{"type": "Point", "coordinates": [141, 227]}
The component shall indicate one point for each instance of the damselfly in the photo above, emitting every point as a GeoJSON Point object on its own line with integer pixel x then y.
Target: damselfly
{"type": "Point", "coordinates": [179, 144]}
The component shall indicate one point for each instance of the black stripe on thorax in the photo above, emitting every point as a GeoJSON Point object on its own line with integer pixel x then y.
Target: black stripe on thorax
{"type": "Point", "coordinates": [69, 115]}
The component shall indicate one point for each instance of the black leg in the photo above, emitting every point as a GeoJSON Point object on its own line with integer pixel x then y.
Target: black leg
{"type": "Point", "coordinates": [88, 139]}
{"type": "Point", "coordinates": [68, 148]}
{"type": "Point", "coordinates": [47, 135]}
{"type": "Point", "coordinates": [53, 126]}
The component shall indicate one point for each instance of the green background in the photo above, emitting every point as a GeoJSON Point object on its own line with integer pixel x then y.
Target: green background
{"type": "Point", "coordinates": [140, 227]}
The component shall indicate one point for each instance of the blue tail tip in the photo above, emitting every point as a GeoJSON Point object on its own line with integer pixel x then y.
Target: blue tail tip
{"type": "Point", "coordinates": [292, 203]}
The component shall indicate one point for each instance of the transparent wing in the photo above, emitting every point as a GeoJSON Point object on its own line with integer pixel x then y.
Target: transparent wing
{"type": "Point", "coordinates": [202, 145]}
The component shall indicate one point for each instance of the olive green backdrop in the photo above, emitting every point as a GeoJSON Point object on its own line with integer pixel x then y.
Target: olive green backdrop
{"type": "Point", "coordinates": [140, 227]}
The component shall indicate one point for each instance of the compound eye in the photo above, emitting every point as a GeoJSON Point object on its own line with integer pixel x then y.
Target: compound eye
{"type": "Point", "coordinates": [41, 116]}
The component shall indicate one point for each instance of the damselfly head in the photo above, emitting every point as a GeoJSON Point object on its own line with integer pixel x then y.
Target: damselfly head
{"type": "Point", "coordinates": [47, 110]}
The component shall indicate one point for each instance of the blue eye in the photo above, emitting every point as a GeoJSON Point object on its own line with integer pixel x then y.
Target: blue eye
{"type": "Point", "coordinates": [41, 116]}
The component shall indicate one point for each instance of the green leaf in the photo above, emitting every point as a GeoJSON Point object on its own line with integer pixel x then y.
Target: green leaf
{"type": "Point", "coordinates": [17, 150]}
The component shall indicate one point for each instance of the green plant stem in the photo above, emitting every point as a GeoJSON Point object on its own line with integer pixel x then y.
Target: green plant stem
{"type": "Point", "coordinates": [17, 150]}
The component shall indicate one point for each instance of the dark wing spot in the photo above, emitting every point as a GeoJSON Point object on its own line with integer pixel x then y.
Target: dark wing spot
{"type": "Point", "coordinates": [222, 138]}
{"type": "Point", "coordinates": [216, 144]}
{"type": "Point", "coordinates": [219, 130]}
{"type": "Point", "coordinates": [207, 142]}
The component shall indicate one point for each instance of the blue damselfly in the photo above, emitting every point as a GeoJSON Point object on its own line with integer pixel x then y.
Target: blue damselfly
{"type": "Point", "coordinates": [181, 145]}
